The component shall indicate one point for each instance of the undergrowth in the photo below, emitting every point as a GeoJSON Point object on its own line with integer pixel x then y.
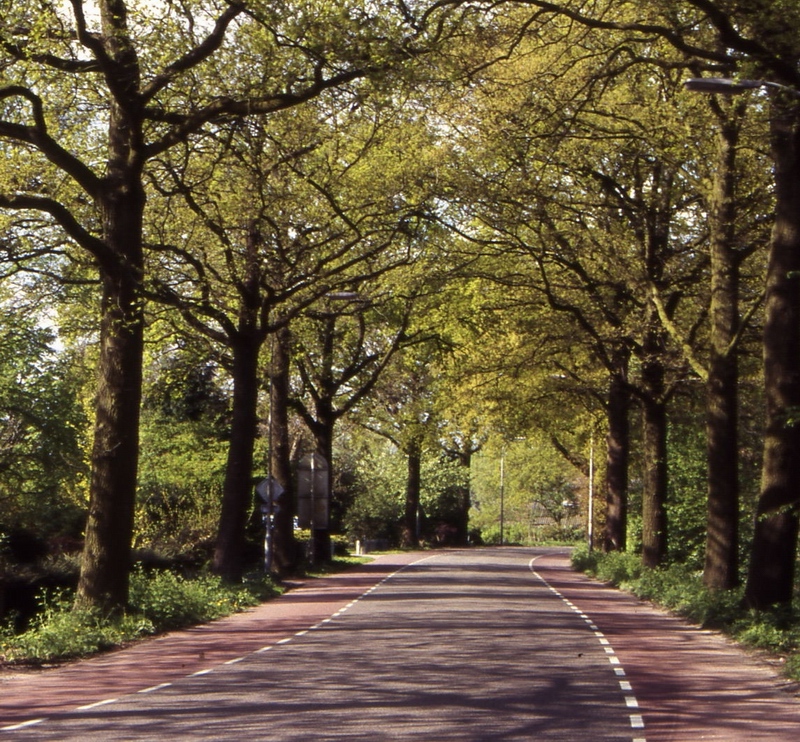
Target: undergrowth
{"type": "Point", "coordinates": [681, 591]}
{"type": "Point", "coordinates": [159, 601]}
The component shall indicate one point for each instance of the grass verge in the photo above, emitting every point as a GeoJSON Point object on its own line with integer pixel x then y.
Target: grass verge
{"type": "Point", "coordinates": [681, 591]}
{"type": "Point", "coordinates": [159, 601]}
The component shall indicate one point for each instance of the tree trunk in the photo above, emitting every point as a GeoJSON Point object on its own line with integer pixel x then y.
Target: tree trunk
{"type": "Point", "coordinates": [285, 547]}
{"type": "Point", "coordinates": [770, 578]}
{"type": "Point", "coordinates": [721, 571]}
{"type": "Point", "coordinates": [410, 531]}
{"type": "Point", "coordinates": [462, 525]}
{"type": "Point", "coordinates": [617, 457]}
{"type": "Point", "coordinates": [237, 490]}
{"type": "Point", "coordinates": [323, 435]}
{"type": "Point", "coordinates": [105, 564]}
{"type": "Point", "coordinates": [106, 559]}
{"type": "Point", "coordinates": [654, 496]}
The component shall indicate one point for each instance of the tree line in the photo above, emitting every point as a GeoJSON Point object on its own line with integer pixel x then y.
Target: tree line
{"type": "Point", "coordinates": [442, 221]}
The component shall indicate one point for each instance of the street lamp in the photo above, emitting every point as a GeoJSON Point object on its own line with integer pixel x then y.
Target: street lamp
{"type": "Point", "coordinates": [502, 491]}
{"type": "Point", "coordinates": [771, 575]}
{"type": "Point", "coordinates": [726, 86]}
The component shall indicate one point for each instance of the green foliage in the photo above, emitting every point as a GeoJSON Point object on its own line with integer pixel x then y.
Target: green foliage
{"type": "Point", "coordinates": [513, 534]}
{"type": "Point", "coordinates": [171, 601]}
{"type": "Point", "coordinates": [60, 631]}
{"type": "Point", "coordinates": [158, 602]}
{"type": "Point", "coordinates": [584, 560]}
{"type": "Point", "coordinates": [42, 426]}
{"type": "Point", "coordinates": [618, 568]}
{"type": "Point", "coordinates": [378, 476]}
{"type": "Point", "coordinates": [182, 455]}
{"type": "Point", "coordinates": [541, 492]}
{"type": "Point", "coordinates": [774, 631]}
{"type": "Point", "coordinates": [686, 501]}
{"type": "Point", "coordinates": [680, 589]}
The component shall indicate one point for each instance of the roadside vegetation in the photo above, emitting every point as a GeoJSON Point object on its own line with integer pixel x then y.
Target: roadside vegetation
{"type": "Point", "coordinates": [159, 601]}
{"type": "Point", "coordinates": [481, 272]}
{"type": "Point", "coordinates": [680, 589]}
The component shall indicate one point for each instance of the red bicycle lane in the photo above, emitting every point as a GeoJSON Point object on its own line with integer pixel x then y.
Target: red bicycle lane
{"type": "Point", "coordinates": [41, 694]}
{"type": "Point", "coordinates": [691, 684]}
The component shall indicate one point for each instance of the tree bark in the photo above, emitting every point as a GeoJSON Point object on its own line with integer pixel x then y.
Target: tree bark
{"type": "Point", "coordinates": [617, 458]}
{"type": "Point", "coordinates": [285, 547]}
{"type": "Point", "coordinates": [106, 558]}
{"type": "Point", "coordinates": [237, 489]}
{"type": "Point", "coordinates": [654, 417]}
{"type": "Point", "coordinates": [770, 578]}
{"type": "Point", "coordinates": [462, 525]}
{"type": "Point", "coordinates": [410, 533]}
{"type": "Point", "coordinates": [721, 570]}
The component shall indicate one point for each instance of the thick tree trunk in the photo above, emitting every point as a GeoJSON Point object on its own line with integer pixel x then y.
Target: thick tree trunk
{"type": "Point", "coordinates": [237, 491]}
{"type": "Point", "coordinates": [771, 575]}
{"type": "Point", "coordinates": [323, 434]}
{"type": "Point", "coordinates": [721, 571]}
{"type": "Point", "coordinates": [617, 458]}
{"type": "Point", "coordinates": [106, 559]}
{"type": "Point", "coordinates": [284, 544]}
{"type": "Point", "coordinates": [105, 565]}
{"type": "Point", "coordinates": [410, 534]}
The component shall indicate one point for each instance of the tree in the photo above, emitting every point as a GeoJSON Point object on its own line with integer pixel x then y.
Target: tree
{"type": "Point", "coordinates": [605, 236]}
{"type": "Point", "coordinates": [134, 83]}
{"type": "Point", "coordinates": [751, 38]}
{"type": "Point", "coordinates": [340, 355]}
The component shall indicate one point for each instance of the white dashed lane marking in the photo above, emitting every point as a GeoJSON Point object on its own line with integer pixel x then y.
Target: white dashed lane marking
{"type": "Point", "coordinates": [636, 720]}
{"type": "Point", "coordinates": [23, 725]}
{"type": "Point", "coordinates": [97, 704]}
{"type": "Point", "coordinates": [200, 673]}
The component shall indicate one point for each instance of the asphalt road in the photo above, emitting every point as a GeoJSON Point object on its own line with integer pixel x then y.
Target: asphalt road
{"type": "Point", "coordinates": [485, 644]}
{"type": "Point", "coordinates": [470, 645]}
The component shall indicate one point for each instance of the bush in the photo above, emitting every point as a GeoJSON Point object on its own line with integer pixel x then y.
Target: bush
{"type": "Point", "coordinates": [159, 602]}
{"type": "Point", "coordinates": [60, 631]}
{"type": "Point", "coordinates": [584, 560]}
{"type": "Point", "coordinates": [171, 601]}
{"type": "Point", "coordinates": [681, 590]}
{"type": "Point", "coordinates": [619, 568]}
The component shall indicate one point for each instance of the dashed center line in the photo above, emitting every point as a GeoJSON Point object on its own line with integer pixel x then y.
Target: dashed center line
{"type": "Point", "coordinates": [90, 706]}
{"type": "Point", "coordinates": [208, 671]}
{"type": "Point", "coordinates": [636, 720]}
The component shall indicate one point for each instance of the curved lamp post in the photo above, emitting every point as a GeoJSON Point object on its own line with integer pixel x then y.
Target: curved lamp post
{"type": "Point", "coordinates": [771, 575]}
{"type": "Point", "coordinates": [726, 86]}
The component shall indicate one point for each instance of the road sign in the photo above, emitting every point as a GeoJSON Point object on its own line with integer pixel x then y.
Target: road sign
{"type": "Point", "coordinates": [312, 492]}
{"type": "Point", "coordinates": [269, 490]}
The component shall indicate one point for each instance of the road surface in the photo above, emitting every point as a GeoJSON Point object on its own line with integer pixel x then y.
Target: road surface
{"type": "Point", "coordinates": [485, 644]}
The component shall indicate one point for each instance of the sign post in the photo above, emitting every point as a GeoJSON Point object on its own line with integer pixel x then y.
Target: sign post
{"type": "Point", "coordinates": [313, 497]}
{"type": "Point", "coordinates": [270, 492]}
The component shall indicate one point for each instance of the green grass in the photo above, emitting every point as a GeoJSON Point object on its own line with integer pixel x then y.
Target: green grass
{"type": "Point", "coordinates": [681, 591]}
{"type": "Point", "coordinates": [159, 601]}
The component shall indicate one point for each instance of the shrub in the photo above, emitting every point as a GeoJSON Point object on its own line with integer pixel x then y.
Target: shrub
{"type": "Point", "coordinates": [159, 601]}
{"type": "Point", "coordinates": [681, 590]}
{"type": "Point", "coordinates": [619, 567]}
{"type": "Point", "coordinates": [171, 601]}
{"type": "Point", "coordinates": [60, 631]}
{"type": "Point", "coordinates": [584, 560]}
